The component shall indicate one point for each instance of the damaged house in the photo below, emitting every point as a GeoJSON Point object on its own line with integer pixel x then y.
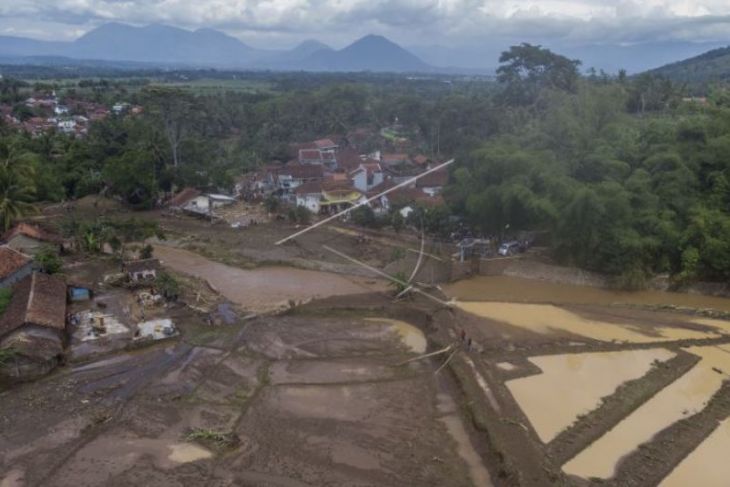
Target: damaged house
{"type": "Point", "coordinates": [33, 327]}
{"type": "Point", "coordinates": [142, 270]}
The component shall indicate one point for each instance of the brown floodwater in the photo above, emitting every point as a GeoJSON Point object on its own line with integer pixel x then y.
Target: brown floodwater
{"type": "Point", "coordinates": [515, 289]}
{"type": "Point", "coordinates": [707, 465]}
{"type": "Point", "coordinates": [267, 287]}
{"type": "Point", "coordinates": [409, 335]}
{"type": "Point", "coordinates": [574, 384]}
{"type": "Point", "coordinates": [686, 396]}
{"type": "Point", "coordinates": [547, 319]}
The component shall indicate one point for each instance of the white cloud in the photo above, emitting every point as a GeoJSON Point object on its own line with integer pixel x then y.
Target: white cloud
{"type": "Point", "coordinates": [264, 22]}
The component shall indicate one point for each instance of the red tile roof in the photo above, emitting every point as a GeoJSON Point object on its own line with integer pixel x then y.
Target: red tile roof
{"type": "Point", "coordinates": [310, 155]}
{"type": "Point", "coordinates": [434, 179]}
{"type": "Point", "coordinates": [324, 143]}
{"type": "Point", "coordinates": [348, 159]}
{"type": "Point", "coordinates": [302, 171]}
{"type": "Point", "coordinates": [414, 195]}
{"type": "Point", "coordinates": [338, 183]}
{"type": "Point", "coordinates": [40, 300]}
{"type": "Point", "coordinates": [11, 261]}
{"type": "Point", "coordinates": [312, 187]}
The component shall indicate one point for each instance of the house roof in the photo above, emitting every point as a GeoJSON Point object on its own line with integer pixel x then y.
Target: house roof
{"type": "Point", "coordinates": [324, 143]}
{"type": "Point", "coordinates": [31, 231]}
{"type": "Point", "coordinates": [337, 184]}
{"type": "Point", "coordinates": [348, 159]}
{"type": "Point", "coordinates": [39, 299]}
{"type": "Point", "coordinates": [338, 196]}
{"type": "Point", "coordinates": [221, 197]}
{"type": "Point", "coordinates": [385, 185]}
{"type": "Point", "coordinates": [142, 265]}
{"type": "Point", "coordinates": [435, 179]}
{"type": "Point", "coordinates": [11, 261]}
{"type": "Point", "coordinates": [184, 196]}
{"type": "Point", "coordinates": [404, 196]}
{"type": "Point", "coordinates": [310, 154]}
{"type": "Point", "coordinates": [302, 171]}
{"type": "Point", "coordinates": [311, 187]}
{"type": "Point", "coordinates": [421, 160]}
{"type": "Point", "coordinates": [393, 158]}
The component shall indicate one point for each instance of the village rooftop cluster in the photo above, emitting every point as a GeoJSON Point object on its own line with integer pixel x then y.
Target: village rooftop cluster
{"type": "Point", "coordinates": [330, 175]}
{"type": "Point", "coordinates": [51, 318]}
{"type": "Point", "coordinates": [46, 112]}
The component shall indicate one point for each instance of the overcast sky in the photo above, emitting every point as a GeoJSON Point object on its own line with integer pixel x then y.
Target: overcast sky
{"type": "Point", "coordinates": [411, 22]}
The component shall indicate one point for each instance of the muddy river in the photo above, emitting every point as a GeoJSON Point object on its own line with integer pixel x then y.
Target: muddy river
{"type": "Point", "coordinates": [265, 287]}
{"type": "Point", "coordinates": [514, 289]}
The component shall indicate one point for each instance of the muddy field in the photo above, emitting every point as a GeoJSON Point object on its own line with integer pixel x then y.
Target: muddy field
{"type": "Point", "coordinates": [541, 384]}
{"type": "Point", "coordinates": [305, 399]}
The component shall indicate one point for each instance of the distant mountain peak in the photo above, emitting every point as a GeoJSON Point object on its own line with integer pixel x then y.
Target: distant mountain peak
{"type": "Point", "coordinates": [369, 53]}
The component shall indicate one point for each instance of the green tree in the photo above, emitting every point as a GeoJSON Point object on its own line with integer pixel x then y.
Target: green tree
{"type": "Point", "coordinates": [17, 188]}
{"type": "Point", "coordinates": [527, 69]}
{"type": "Point", "coordinates": [48, 260]}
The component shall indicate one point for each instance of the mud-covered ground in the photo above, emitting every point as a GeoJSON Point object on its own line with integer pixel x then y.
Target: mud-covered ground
{"type": "Point", "coordinates": [304, 399]}
{"type": "Point", "coordinates": [316, 396]}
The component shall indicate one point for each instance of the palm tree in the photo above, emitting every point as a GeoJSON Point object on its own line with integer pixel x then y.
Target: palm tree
{"type": "Point", "coordinates": [17, 186]}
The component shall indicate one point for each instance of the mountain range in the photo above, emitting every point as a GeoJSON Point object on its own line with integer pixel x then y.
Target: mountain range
{"type": "Point", "coordinates": [166, 45]}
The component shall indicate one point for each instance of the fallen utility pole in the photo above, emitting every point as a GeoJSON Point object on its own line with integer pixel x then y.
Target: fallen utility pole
{"type": "Point", "coordinates": [386, 276]}
{"type": "Point", "coordinates": [421, 357]}
{"type": "Point", "coordinates": [365, 202]}
{"type": "Point", "coordinates": [447, 361]}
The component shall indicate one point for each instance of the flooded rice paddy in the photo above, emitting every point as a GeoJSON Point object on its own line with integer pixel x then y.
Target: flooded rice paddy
{"type": "Point", "coordinates": [686, 396]}
{"type": "Point", "coordinates": [262, 288]}
{"type": "Point", "coordinates": [713, 451]}
{"type": "Point", "coordinates": [515, 289]}
{"type": "Point", "coordinates": [574, 384]}
{"type": "Point", "coordinates": [547, 319]}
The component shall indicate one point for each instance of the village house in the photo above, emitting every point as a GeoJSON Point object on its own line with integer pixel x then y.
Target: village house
{"type": "Point", "coordinates": [142, 270]}
{"type": "Point", "coordinates": [326, 145]}
{"type": "Point", "coordinates": [368, 175]}
{"type": "Point", "coordinates": [327, 159]}
{"type": "Point", "coordinates": [309, 195]}
{"type": "Point", "coordinates": [193, 201]}
{"type": "Point", "coordinates": [14, 266]}
{"type": "Point", "coordinates": [432, 184]}
{"type": "Point", "coordinates": [293, 175]}
{"type": "Point", "coordinates": [67, 126]}
{"type": "Point", "coordinates": [339, 195]}
{"type": "Point", "coordinates": [33, 326]}
{"type": "Point", "coordinates": [29, 239]}
{"type": "Point", "coordinates": [380, 204]}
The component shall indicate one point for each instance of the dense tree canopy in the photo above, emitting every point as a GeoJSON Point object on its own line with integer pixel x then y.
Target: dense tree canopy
{"type": "Point", "coordinates": [623, 175]}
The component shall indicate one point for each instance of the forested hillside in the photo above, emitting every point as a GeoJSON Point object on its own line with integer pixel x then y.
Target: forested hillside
{"type": "Point", "coordinates": [701, 72]}
{"type": "Point", "coordinates": [625, 177]}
